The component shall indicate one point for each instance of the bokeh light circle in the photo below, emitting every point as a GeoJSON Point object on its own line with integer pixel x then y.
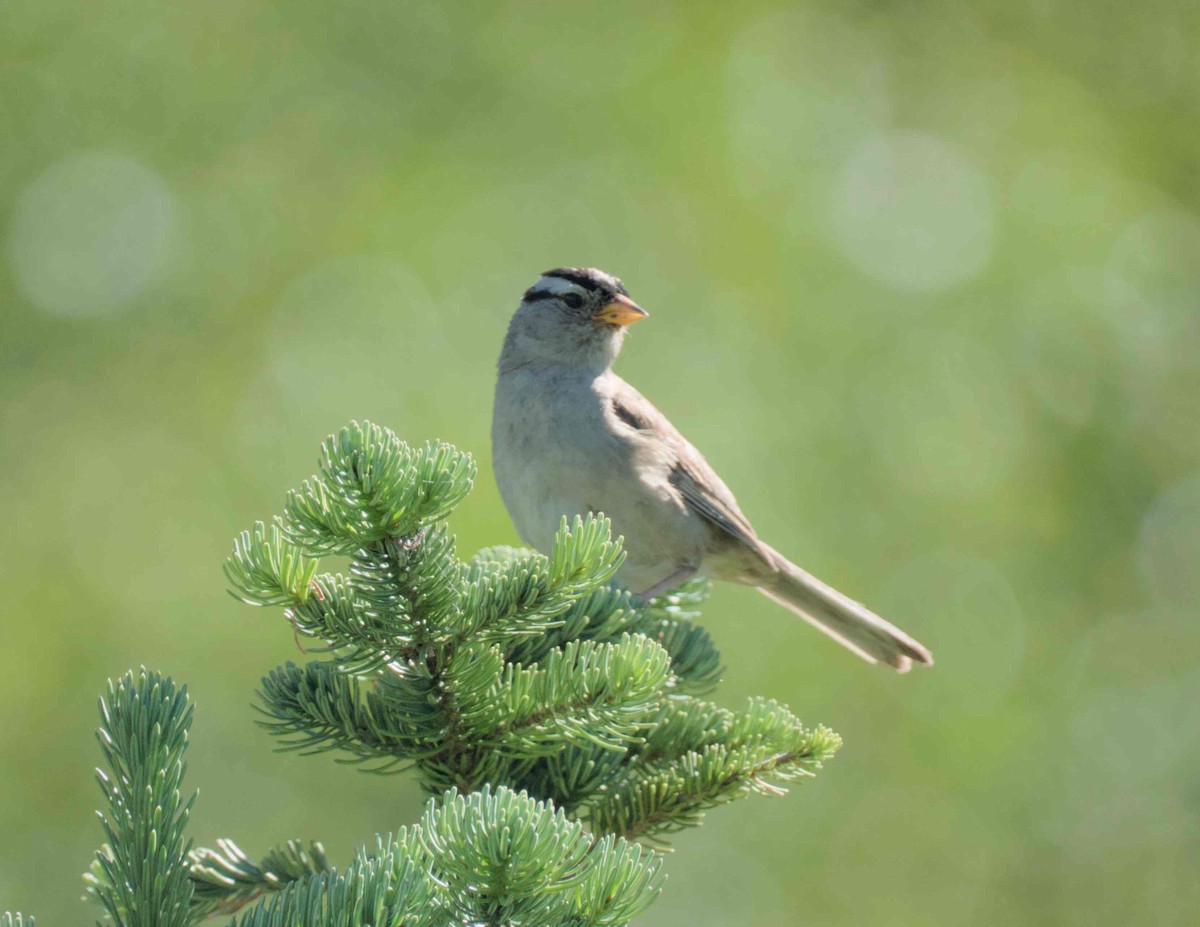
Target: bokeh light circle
{"type": "Point", "coordinates": [912, 212]}
{"type": "Point", "coordinates": [91, 234]}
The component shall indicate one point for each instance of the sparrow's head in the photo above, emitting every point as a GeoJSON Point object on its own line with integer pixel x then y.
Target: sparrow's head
{"type": "Point", "coordinates": [573, 316]}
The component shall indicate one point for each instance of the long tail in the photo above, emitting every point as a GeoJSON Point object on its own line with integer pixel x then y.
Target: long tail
{"type": "Point", "coordinates": [843, 619]}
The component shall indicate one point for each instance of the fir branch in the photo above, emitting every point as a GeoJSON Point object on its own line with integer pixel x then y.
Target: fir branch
{"type": "Point", "coordinates": [141, 874]}
{"type": "Point", "coordinates": [388, 885]}
{"type": "Point", "coordinates": [316, 708]}
{"type": "Point", "coordinates": [15, 919]}
{"type": "Point", "coordinates": [573, 776]}
{"type": "Point", "coordinates": [681, 726]}
{"type": "Point", "coordinates": [506, 859]}
{"type": "Point", "coordinates": [265, 569]}
{"type": "Point", "coordinates": [607, 612]}
{"type": "Point", "coordinates": [622, 881]}
{"type": "Point", "coordinates": [372, 487]}
{"type": "Point", "coordinates": [668, 619]}
{"type": "Point", "coordinates": [749, 752]}
{"type": "Point", "coordinates": [603, 614]}
{"type": "Point", "coordinates": [411, 585]}
{"type": "Point", "coordinates": [584, 692]}
{"type": "Point", "coordinates": [428, 574]}
{"type": "Point", "coordinates": [511, 599]}
{"type": "Point", "coordinates": [584, 555]}
{"type": "Point", "coordinates": [363, 638]}
{"type": "Point", "coordinates": [495, 857]}
{"type": "Point", "coordinates": [224, 879]}
{"type": "Point", "coordinates": [535, 850]}
{"type": "Point", "coordinates": [695, 660]}
{"type": "Point", "coordinates": [516, 596]}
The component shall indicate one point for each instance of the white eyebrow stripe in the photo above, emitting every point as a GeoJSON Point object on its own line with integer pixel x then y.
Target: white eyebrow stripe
{"type": "Point", "coordinates": [556, 285]}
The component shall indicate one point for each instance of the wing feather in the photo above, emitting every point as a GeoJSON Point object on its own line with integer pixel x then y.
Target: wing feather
{"type": "Point", "coordinates": [698, 484]}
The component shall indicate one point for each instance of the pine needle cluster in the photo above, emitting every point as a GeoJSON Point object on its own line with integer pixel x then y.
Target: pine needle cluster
{"type": "Point", "coordinates": [494, 857]}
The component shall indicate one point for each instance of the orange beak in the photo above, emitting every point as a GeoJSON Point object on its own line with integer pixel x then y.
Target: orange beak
{"type": "Point", "coordinates": [621, 311]}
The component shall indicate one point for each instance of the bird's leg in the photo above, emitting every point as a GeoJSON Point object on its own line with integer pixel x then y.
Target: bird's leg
{"type": "Point", "coordinates": [678, 578]}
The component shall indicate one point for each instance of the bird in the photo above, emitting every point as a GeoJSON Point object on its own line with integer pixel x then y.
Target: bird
{"type": "Point", "coordinates": [570, 437]}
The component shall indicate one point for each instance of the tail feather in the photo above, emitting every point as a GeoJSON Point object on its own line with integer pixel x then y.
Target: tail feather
{"type": "Point", "coordinates": [850, 624]}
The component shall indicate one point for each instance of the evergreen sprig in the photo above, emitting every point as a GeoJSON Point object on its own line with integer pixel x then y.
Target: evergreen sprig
{"type": "Point", "coordinates": [495, 857]}
{"type": "Point", "coordinates": [513, 668]}
{"type": "Point", "coordinates": [225, 880]}
{"type": "Point", "coordinates": [141, 873]}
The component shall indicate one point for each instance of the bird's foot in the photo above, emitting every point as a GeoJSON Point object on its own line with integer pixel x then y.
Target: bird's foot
{"type": "Point", "coordinates": [678, 578]}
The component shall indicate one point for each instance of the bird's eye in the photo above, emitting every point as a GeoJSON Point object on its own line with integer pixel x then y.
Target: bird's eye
{"type": "Point", "coordinates": [574, 300]}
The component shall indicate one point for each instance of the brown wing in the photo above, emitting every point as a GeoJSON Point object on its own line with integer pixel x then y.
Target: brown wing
{"type": "Point", "coordinates": [702, 490]}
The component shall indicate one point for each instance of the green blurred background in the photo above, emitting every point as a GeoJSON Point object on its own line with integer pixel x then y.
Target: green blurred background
{"type": "Point", "coordinates": [924, 287]}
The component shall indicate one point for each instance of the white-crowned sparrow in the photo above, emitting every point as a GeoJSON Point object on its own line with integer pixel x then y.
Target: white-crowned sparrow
{"type": "Point", "coordinates": [570, 437]}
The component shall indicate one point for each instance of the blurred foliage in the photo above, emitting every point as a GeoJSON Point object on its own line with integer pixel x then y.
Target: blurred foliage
{"type": "Point", "coordinates": [923, 287]}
